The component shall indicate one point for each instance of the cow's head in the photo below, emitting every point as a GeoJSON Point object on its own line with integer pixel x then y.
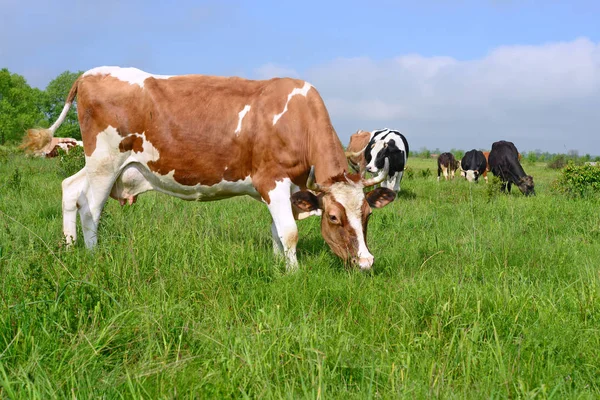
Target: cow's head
{"type": "Point", "coordinates": [525, 185]}
{"type": "Point", "coordinates": [470, 175]}
{"type": "Point", "coordinates": [346, 209]}
{"type": "Point", "coordinates": [376, 155]}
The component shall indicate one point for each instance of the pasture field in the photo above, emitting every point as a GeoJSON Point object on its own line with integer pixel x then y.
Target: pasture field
{"type": "Point", "coordinates": [474, 294]}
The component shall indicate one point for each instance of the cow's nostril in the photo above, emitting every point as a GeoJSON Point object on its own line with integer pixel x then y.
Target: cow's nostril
{"type": "Point", "coordinates": [366, 263]}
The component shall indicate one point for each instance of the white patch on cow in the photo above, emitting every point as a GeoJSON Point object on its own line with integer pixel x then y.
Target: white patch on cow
{"type": "Point", "coordinates": [242, 114]}
{"type": "Point", "coordinates": [284, 229]}
{"type": "Point", "coordinates": [220, 190]}
{"type": "Point", "coordinates": [106, 155]}
{"type": "Point", "coordinates": [377, 147]}
{"type": "Point", "coordinates": [65, 146]}
{"type": "Point", "coordinates": [470, 175]}
{"type": "Point", "coordinates": [303, 91]}
{"type": "Point", "coordinates": [61, 117]}
{"type": "Point", "coordinates": [132, 76]}
{"type": "Point", "coordinates": [351, 196]}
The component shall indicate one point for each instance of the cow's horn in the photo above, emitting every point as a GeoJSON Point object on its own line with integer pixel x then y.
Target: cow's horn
{"type": "Point", "coordinates": [310, 182]}
{"type": "Point", "coordinates": [352, 153]}
{"type": "Point", "coordinates": [380, 177]}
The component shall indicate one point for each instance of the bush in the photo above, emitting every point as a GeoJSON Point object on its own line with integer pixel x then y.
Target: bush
{"type": "Point", "coordinates": [559, 161]}
{"type": "Point", "coordinates": [578, 180]}
{"type": "Point", "coordinates": [425, 173]}
{"type": "Point", "coordinates": [493, 188]}
{"type": "Point", "coordinates": [69, 164]}
{"type": "Point", "coordinates": [409, 173]}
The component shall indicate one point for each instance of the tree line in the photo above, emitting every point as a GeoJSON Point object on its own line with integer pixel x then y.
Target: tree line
{"type": "Point", "coordinates": [23, 107]}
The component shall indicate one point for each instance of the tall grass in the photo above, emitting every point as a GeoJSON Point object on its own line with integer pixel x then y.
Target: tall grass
{"type": "Point", "coordinates": [473, 294]}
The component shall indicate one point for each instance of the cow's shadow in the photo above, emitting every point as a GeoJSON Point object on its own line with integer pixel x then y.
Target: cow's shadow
{"type": "Point", "coordinates": [406, 194]}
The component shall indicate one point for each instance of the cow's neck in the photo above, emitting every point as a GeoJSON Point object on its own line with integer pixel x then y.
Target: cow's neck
{"type": "Point", "coordinates": [327, 155]}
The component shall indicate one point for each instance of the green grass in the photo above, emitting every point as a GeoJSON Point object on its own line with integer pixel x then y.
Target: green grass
{"type": "Point", "coordinates": [474, 294]}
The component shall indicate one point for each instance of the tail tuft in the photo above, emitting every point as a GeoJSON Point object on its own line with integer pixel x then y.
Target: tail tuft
{"type": "Point", "coordinates": [36, 140]}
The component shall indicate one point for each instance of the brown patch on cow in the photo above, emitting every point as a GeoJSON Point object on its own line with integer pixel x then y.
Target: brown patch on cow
{"type": "Point", "coordinates": [336, 229]}
{"type": "Point", "coordinates": [487, 162]}
{"type": "Point", "coordinates": [132, 142]}
{"type": "Point", "coordinates": [358, 142]}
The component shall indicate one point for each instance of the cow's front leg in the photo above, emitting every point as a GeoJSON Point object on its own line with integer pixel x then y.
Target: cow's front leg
{"type": "Point", "coordinates": [284, 229]}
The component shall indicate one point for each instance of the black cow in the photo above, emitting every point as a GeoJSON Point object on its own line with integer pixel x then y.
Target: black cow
{"type": "Point", "coordinates": [504, 163]}
{"type": "Point", "coordinates": [473, 165]}
{"type": "Point", "coordinates": [447, 164]}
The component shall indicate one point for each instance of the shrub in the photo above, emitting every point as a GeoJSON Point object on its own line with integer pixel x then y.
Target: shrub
{"type": "Point", "coordinates": [531, 157]}
{"type": "Point", "coordinates": [493, 188]}
{"type": "Point", "coordinates": [409, 173]}
{"type": "Point", "coordinates": [70, 163]}
{"type": "Point", "coordinates": [425, 173]}
{"type": "Point", "coordinates": [578, 180]}
{"type": "Point", "coordinates": [559, 161]}
{"type": "Point", "coordinates": [15, 181]}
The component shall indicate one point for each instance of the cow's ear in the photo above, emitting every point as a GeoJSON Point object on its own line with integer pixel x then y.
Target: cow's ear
{"type": "Point", "coordinates": [380, 197]}
{"type": "Point", "coordinates": [305, 201]}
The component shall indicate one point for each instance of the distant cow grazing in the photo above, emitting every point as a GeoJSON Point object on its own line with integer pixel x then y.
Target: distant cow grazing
{"type": "Point", "coordinates": [355, 152]}
{"type": "Point", "coordinates": [473, 165]}
{"type": "Point", "coordinates": [504, 163]}
{"type": "Point", "coordinates": [50, 149]}
{"type": "Point", "coordinates": [381, 145]}
{"type": "Point", "coordinates": [447, 164]}
{"type": "Point", "coordinates": [206, 138]}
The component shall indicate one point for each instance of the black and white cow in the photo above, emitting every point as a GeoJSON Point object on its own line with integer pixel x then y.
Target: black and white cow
{"type": "Point", "coordinates": [390, 144]}
{"type": "Point", "coordinates": [504, 163]}
{"type": "Point", "coordinates": [473, 165]}
{"type": "Point", "coordinates": [447, 164]}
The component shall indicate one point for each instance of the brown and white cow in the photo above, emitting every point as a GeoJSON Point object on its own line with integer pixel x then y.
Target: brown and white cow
{"type": "Point", "coordinates": [50, 150]}
{"type": "Point", "coordinates": [208, 138]}
{"type": "Point", "coordinates": [447, 165]}
{"type": "Point", "coordinates": [355, 152]}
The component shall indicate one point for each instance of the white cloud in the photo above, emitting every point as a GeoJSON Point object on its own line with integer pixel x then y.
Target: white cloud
{"type": "Point", "coordinates": [268, 71]}
{"type": "Point", "coordinates": [541, 97]}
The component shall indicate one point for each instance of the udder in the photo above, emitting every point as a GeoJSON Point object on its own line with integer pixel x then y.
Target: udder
{"type": "Point", "coordinates": [129, 185]}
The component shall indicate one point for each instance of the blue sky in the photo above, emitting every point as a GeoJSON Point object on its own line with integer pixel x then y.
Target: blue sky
{"type": "Point", "coordinates": [448, 74]}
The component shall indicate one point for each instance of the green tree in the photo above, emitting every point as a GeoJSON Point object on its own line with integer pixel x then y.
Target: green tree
{"type": "Point", "coordinates": [54, 101]}
{"type": "Point", "coordinates": [20, 107]}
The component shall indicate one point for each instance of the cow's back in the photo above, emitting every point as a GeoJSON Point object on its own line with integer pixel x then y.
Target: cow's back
{"type": "Point", "coordinates": [474, 160]}
{"type": "Point", "coordinates": [204, 129]}
{"type": "Point", "coordinates": [504, 160]}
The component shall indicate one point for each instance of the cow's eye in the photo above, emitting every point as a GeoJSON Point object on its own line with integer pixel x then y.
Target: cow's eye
{"type": "Point", "coordinates": [333, 219]}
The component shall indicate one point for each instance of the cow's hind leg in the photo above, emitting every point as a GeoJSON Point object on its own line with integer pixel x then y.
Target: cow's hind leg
{"type": "Point", "coordinates": [284, 229]}
{"type": "Point", "coordinates": [398, 181]}
{"type": "Point", "coordinates": [91, 202]}
{"type": "Point", "coordinates": [72, 189]}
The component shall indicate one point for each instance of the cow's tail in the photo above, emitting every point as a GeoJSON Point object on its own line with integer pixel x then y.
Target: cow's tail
{"type": "Point", "coordinates": [38, 138]}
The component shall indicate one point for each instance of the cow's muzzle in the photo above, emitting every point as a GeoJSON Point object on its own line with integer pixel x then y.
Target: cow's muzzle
{"type": "Point", "coordinates": [364, 263]}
